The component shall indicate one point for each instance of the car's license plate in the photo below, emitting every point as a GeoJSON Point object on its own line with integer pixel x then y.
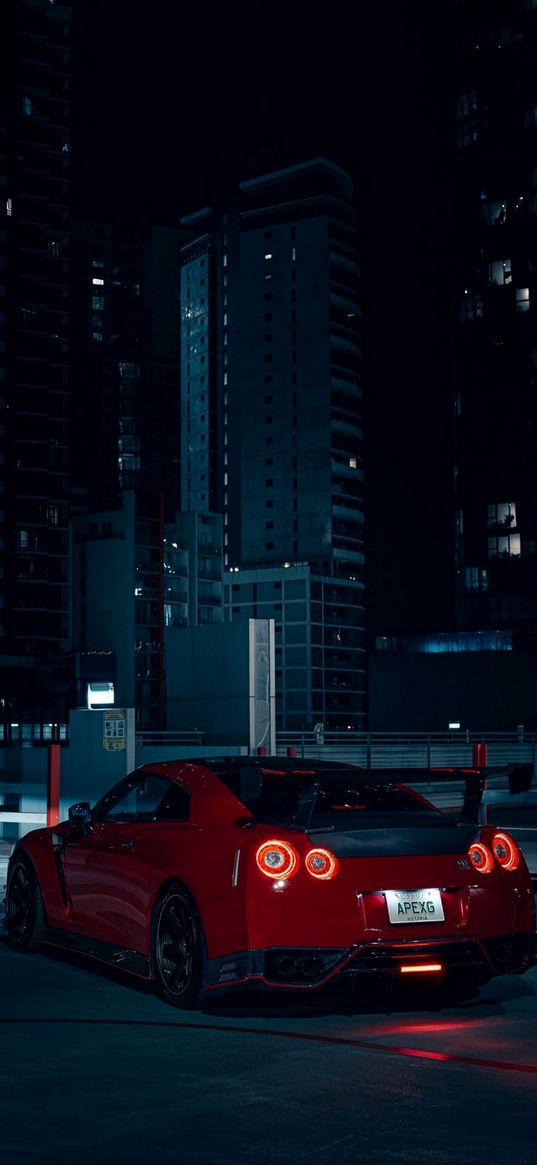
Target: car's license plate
{"type": "Point", "coordinates": [414, 905]}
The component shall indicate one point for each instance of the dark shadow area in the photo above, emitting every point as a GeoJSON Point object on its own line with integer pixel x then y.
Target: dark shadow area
{"type": "Point", "coordinates": [260, 1003]}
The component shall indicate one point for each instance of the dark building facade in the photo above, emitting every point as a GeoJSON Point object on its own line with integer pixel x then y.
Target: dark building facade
{"type": "Point", "coordinates": [125, 400]}
{"type": "Point", "coordinates": [125, 456]}
{"type": "Point", "coordinates": [34, 355]}
{"type": "Point", "coordinates": [495, 353]}
{"type": "Point", "coordinates": [482, 672]}
{"type": "Point", "coordinates": [271, 399]}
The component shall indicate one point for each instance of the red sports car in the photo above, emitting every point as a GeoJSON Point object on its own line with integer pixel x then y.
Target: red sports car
{"type": "Point", "coordinates": [217, 873]}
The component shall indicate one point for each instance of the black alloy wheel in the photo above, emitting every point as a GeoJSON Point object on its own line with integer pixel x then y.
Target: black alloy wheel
{"type": "Point", "coordinates": [178, 949]}
{"type": "Point", "coordinates": [25, 913]}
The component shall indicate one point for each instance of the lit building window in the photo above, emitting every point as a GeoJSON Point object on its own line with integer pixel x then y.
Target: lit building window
{"type": "Point", "coordinates": [97, 282]}
{"type": "Point", "coordinates": [500, 272]}
{"type": "Point", "coordinates": [97, 303]}
{"type": "Point", "coordinates": [505, 546]}
{"type": "Point", "coordinates": [523, 299]}
{"type": "Point", "coordinates": [9, 207]}
{"type": "Point", "coordinates": [475, 579]}
{"type": "Point", "coordinates": [268, 255]}
{"type": "Point", "coordinates": [501, 514]}
{"type": "Point", "coordinates": [494, 213]}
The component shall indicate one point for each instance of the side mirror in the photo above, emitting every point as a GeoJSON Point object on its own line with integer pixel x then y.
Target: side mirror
{"type": "Point", "coordinates": [80, 814]}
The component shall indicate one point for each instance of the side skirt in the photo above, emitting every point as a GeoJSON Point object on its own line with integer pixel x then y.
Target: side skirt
{"type": "Point", "coordinates": [126, 960]}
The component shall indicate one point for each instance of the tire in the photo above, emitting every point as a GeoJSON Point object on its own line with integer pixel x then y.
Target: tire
{"type": "Point", "coordinates": [25, 912]}
{"type": "Point", "coordinates": [178, 948]}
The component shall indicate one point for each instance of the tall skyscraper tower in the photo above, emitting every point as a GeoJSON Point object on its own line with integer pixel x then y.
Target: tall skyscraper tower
{"type": "Point", "coordinates": [271, 394]}
{"type": "Point", "coordinates": [34, 381]}
{"type": "Point", "coordinates": [495, 353]}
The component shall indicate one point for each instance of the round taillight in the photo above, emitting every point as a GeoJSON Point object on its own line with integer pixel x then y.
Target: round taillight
{"type": "Point", "coordinates": [505, 851]}
{"type": "Point", "coordinates": [277, 859]}
{"type": "Point", "coordinates": [320, 863]}
{"type": "Point", "coordinates": [481, 857]}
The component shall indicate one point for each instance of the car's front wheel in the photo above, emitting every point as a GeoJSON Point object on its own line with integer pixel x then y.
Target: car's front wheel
{"type": "Point", "coordinates": [178, 948]}
{"type": "Point", "coordinates": [25, 913]}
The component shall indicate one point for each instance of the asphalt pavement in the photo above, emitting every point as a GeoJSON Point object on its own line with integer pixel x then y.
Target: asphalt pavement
{"type": "Point", "coordinates": [95, 1068]}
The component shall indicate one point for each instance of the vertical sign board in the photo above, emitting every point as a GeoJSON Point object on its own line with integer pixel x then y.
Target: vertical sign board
{"type": "Point", "coordinates": [114, 730]}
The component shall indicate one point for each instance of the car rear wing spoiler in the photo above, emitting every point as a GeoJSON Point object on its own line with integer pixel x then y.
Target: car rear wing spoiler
{"type": "Point", "coordinates": [514, 779]}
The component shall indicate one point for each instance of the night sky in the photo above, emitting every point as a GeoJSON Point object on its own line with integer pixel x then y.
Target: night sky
{"type": "Point", "coordinates": [163, 101]}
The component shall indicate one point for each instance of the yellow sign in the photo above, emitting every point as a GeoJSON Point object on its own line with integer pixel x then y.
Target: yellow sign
{"type": "Point", "coordinates": [114, 730]}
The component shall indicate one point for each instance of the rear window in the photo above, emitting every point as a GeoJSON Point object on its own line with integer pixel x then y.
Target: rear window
{"type": "Point", "coordinates": [340, 799]}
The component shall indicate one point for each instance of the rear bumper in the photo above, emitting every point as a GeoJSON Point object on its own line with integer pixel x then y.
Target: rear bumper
{"type": "Point", "coordinates": [468, 960]}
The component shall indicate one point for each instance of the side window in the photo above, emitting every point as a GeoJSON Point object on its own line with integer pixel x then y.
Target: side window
{"type": "Point", "coordinates": [144, 796]}
{"type": "Point", "coordinates": [175, 805]}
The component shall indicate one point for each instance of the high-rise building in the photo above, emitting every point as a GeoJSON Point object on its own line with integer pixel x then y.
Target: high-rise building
{"type": "Point", "coordinates": [271, 401]}
{"type": "Point", "coordinates": [34, 355]}
{"type": "Point", "coordinates": [130, 580]}
{"type": "Point", "coordinates": [495, 353]}
{"type": "Point", "coordinates": [125, 401]}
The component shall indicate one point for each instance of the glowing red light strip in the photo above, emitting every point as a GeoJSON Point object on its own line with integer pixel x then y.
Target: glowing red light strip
{"type": "Point", "coordinates": [413, 970]}
{"type": "Point", "coordinates": [307, 1037]}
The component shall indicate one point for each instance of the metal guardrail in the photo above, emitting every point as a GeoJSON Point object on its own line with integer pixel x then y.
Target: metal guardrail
{"type": "Point", "coordinates": [411, 749]}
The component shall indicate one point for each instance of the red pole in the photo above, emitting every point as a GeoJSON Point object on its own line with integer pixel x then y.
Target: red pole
{"type": "Point", "coordinates": [53, 784]}
{"type": "Point", "coordinates": [479, 756]}
{"type": "Point", "coordinates": [479, 761]}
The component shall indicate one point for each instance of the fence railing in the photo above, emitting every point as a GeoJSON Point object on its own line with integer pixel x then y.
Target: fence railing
{"type": "Point", "coordinates": [410, 749]}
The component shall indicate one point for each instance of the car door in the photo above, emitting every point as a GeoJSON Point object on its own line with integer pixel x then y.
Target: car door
{"type": "Point", "coordinates": [98, 863]}
{"type": "Point", "coordinates": [157, 838]}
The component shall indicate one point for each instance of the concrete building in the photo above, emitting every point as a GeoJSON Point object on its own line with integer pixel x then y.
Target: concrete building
{"type": "Point", "coordinates": [319, 655]}
{"type": "Point", "coordinates": [35, 95]}
{"type": "Point", "coordinates": [271, 394]}
{"type": "Point", "coordinates": [137, 577]}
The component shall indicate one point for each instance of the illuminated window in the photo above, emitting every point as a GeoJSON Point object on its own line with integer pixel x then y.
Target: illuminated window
{"type": "Point", "coordinates": [500, 272]}
{"type": "Point", "coordinates": [97, 303]}
{"type": "Point", "coordinates": [502, 514]}
{"type": "Point", "coordinates": [97, 282]}
{"type": "Point", "coordinates": [9, 207]}
{"type": "Point", "coordinates": [505, 546]}
{"type": "Point", "coordinates": [494, 213]}
{"type": "Point", "coordinates": [268, 255]}
{"type": "Point", "coordinates": [523, 299]}
{"type": "Point", "coordinates": [475, 579]}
